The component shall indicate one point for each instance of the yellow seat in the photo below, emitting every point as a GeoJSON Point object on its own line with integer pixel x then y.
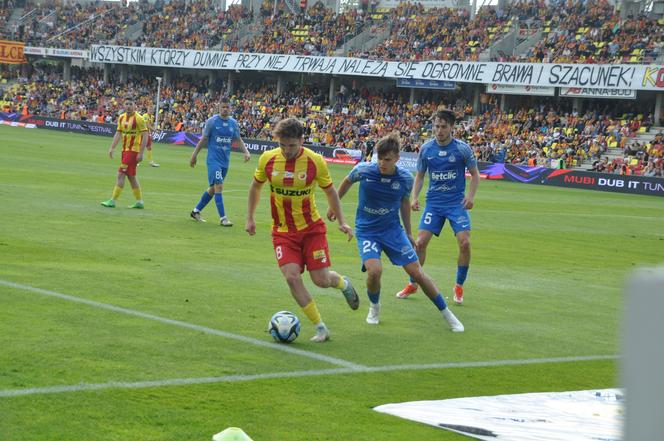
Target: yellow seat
{"type": "Point", "coordinates": [642, 129]}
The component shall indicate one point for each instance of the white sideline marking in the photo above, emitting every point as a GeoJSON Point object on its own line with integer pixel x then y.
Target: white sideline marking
{"type": "Point", "coordinates": [253, 341]}
{"type": "Point", "coordinates": [298, 374]}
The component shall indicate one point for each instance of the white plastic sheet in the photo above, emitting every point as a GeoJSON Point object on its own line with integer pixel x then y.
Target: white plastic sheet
{"type": "Point", "coordinates": [592, 415]}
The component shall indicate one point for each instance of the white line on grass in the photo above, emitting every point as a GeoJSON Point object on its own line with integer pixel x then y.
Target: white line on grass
{"type": "Point", "coordinates": [253, 341]}
{"type": "Point", "coordinates": [297, 374]}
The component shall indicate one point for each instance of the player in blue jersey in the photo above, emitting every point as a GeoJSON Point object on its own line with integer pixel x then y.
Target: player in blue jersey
{"type": "Point", "coordinates": [445, 159]}
{"type": "Point", "coordinates": [218, 134]}
{"type": "Point", "coordinates": [384, 194]}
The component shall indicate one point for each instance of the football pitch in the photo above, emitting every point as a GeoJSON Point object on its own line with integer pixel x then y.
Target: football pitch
{"type": "Point", "coordinates": [119, 324]}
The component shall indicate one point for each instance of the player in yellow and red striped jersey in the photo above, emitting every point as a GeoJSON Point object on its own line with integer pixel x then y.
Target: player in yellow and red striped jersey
{"type": "Point", "coordinates": [132, 131]}
{"type": "Point", "coordinates": [149, 123]}
{"type": "Point", "coordinates": [298, 231]}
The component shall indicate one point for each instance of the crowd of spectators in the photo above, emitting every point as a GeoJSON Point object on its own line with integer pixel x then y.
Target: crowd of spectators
{"type": "Point", "coordinates": [572, 31]}
{"type": "Point", "coordinates": [6, 8]}
{"type": "Point", "coordinates": [315, 31]}
{"type": "Point", "coordinates": [540, 135]}
{"type": "Point", "coordinates": [593, 32]}
{"type": "Point", "coordinates": [416, 33]}
{"type": "Point", "coordinates": [547, 135]}
{"type": "Point", "coordinates": [193, 24]}
{"type": "Point", "coordinates": [53, 23]}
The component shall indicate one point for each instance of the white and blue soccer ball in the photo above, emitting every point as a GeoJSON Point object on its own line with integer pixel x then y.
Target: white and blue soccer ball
{"type": "Point", "coordinates": [284, 326]}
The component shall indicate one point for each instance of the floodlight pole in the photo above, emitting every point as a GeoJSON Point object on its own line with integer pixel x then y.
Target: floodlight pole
{"type": "Point", "coordinates": [156, 112]}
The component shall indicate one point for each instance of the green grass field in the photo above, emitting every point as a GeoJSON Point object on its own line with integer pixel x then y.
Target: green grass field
{"type": "Point", "coordinates": [120, 324]}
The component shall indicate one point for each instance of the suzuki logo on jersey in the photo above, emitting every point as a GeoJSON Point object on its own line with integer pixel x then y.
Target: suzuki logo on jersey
{"type": "Point", "coordinates": [290, 192]}
{"type": "Point", "coordinates": [223, 139]}
{"type": "Point", "coordinates": [443, 176]}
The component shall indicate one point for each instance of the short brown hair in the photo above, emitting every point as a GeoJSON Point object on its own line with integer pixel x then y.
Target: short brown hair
{"type": "Point", "coordinates": [445, 115]}
{"type": "Point", "coordinates": [389, 144]}
{"type": "Point", "coordinates": [288, 128]}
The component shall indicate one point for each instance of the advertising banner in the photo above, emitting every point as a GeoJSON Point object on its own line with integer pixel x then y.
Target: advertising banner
{"type": "Point", "coordinates": [572, 92]}
{"type": "Point", "coordinates": [426, 3]}
{"type": "Point", "coordinates": [255, 146]}
{"type": "Point", "coordinates": [408, 160]}
{"type": "Point", "coordinates": [560, 178]}
{"type": "Point", "coordinates": [592, 76]}
{"type": "Point", "coordinates": [520, 90]}
{"type": "Point", "coordinates": [57, 52]}
{"type": "Point", "coordinates": [573, 178]}
{"type": "Point", "coordinates": [426, 84]}
{"type": "Point", "coordinates": [11, 52]}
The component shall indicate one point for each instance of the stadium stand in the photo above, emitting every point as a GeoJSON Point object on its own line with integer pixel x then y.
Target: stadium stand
{"type": "Point", "coordinates": [318, 31]}
{"type": "Point", "coordinates": [523, 131]}
{"type": "Point", "coordinates": [528, 136]}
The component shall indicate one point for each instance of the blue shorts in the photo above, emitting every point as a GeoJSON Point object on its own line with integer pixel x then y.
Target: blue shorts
{"type": "Point", "coordinates": [393, 242]}
{"type": "Point", "coordinates": [433, 219]}
{"type": "Point", "coordinates": [216, 173]}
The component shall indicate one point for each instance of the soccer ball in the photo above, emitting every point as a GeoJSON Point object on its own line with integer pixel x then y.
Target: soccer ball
{"type": "Point", "coordinates": [284, 326]}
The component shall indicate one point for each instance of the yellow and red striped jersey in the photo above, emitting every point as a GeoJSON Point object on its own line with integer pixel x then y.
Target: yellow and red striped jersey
{"type": "Point", "coordinates": [149, 121]}
{"type": "Point", "coordinates": [131, 128]}
{"type": "Point", "coordinates": [292, 186]}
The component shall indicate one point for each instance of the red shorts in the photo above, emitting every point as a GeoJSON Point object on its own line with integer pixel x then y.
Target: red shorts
{"type": "Point", "coordinates": [129, 163]}
{"type": "Point", "coordinates": [306, 248]}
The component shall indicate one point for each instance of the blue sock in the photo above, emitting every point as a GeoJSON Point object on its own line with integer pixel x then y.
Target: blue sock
{"type": "Point", "coordinates": [374, 298]}
{"type": "Point", "coordinates": [439, 301]}
{"type": "Point", "coordinates": [205, 199]}
{"type": "Point", "coordinates": [219, 201]}
{"type": "Point", "coordinates": [462, 273]}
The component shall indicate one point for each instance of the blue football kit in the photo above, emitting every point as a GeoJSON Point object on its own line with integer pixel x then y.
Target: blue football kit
{"type": "Point", "coordinates": [377, 221]}
{"type": "Point", "coordinates": [220, 133]}
{"type": "Point", "coordinates": [446, 167]}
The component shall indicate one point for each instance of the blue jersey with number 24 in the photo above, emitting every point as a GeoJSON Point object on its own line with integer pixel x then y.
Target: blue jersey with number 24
{"type": "Point", "coordinates": [379, 197]}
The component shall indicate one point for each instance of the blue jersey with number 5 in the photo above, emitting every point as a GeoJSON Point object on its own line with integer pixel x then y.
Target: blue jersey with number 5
{"type": "Point", "coordinates": [447, 171]}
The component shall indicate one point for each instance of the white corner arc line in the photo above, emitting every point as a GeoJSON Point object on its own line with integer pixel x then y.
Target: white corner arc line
{"type": "Point", "coordinates": [85, 387]}
{"type": "Point", "coordinates": [181, 324]}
